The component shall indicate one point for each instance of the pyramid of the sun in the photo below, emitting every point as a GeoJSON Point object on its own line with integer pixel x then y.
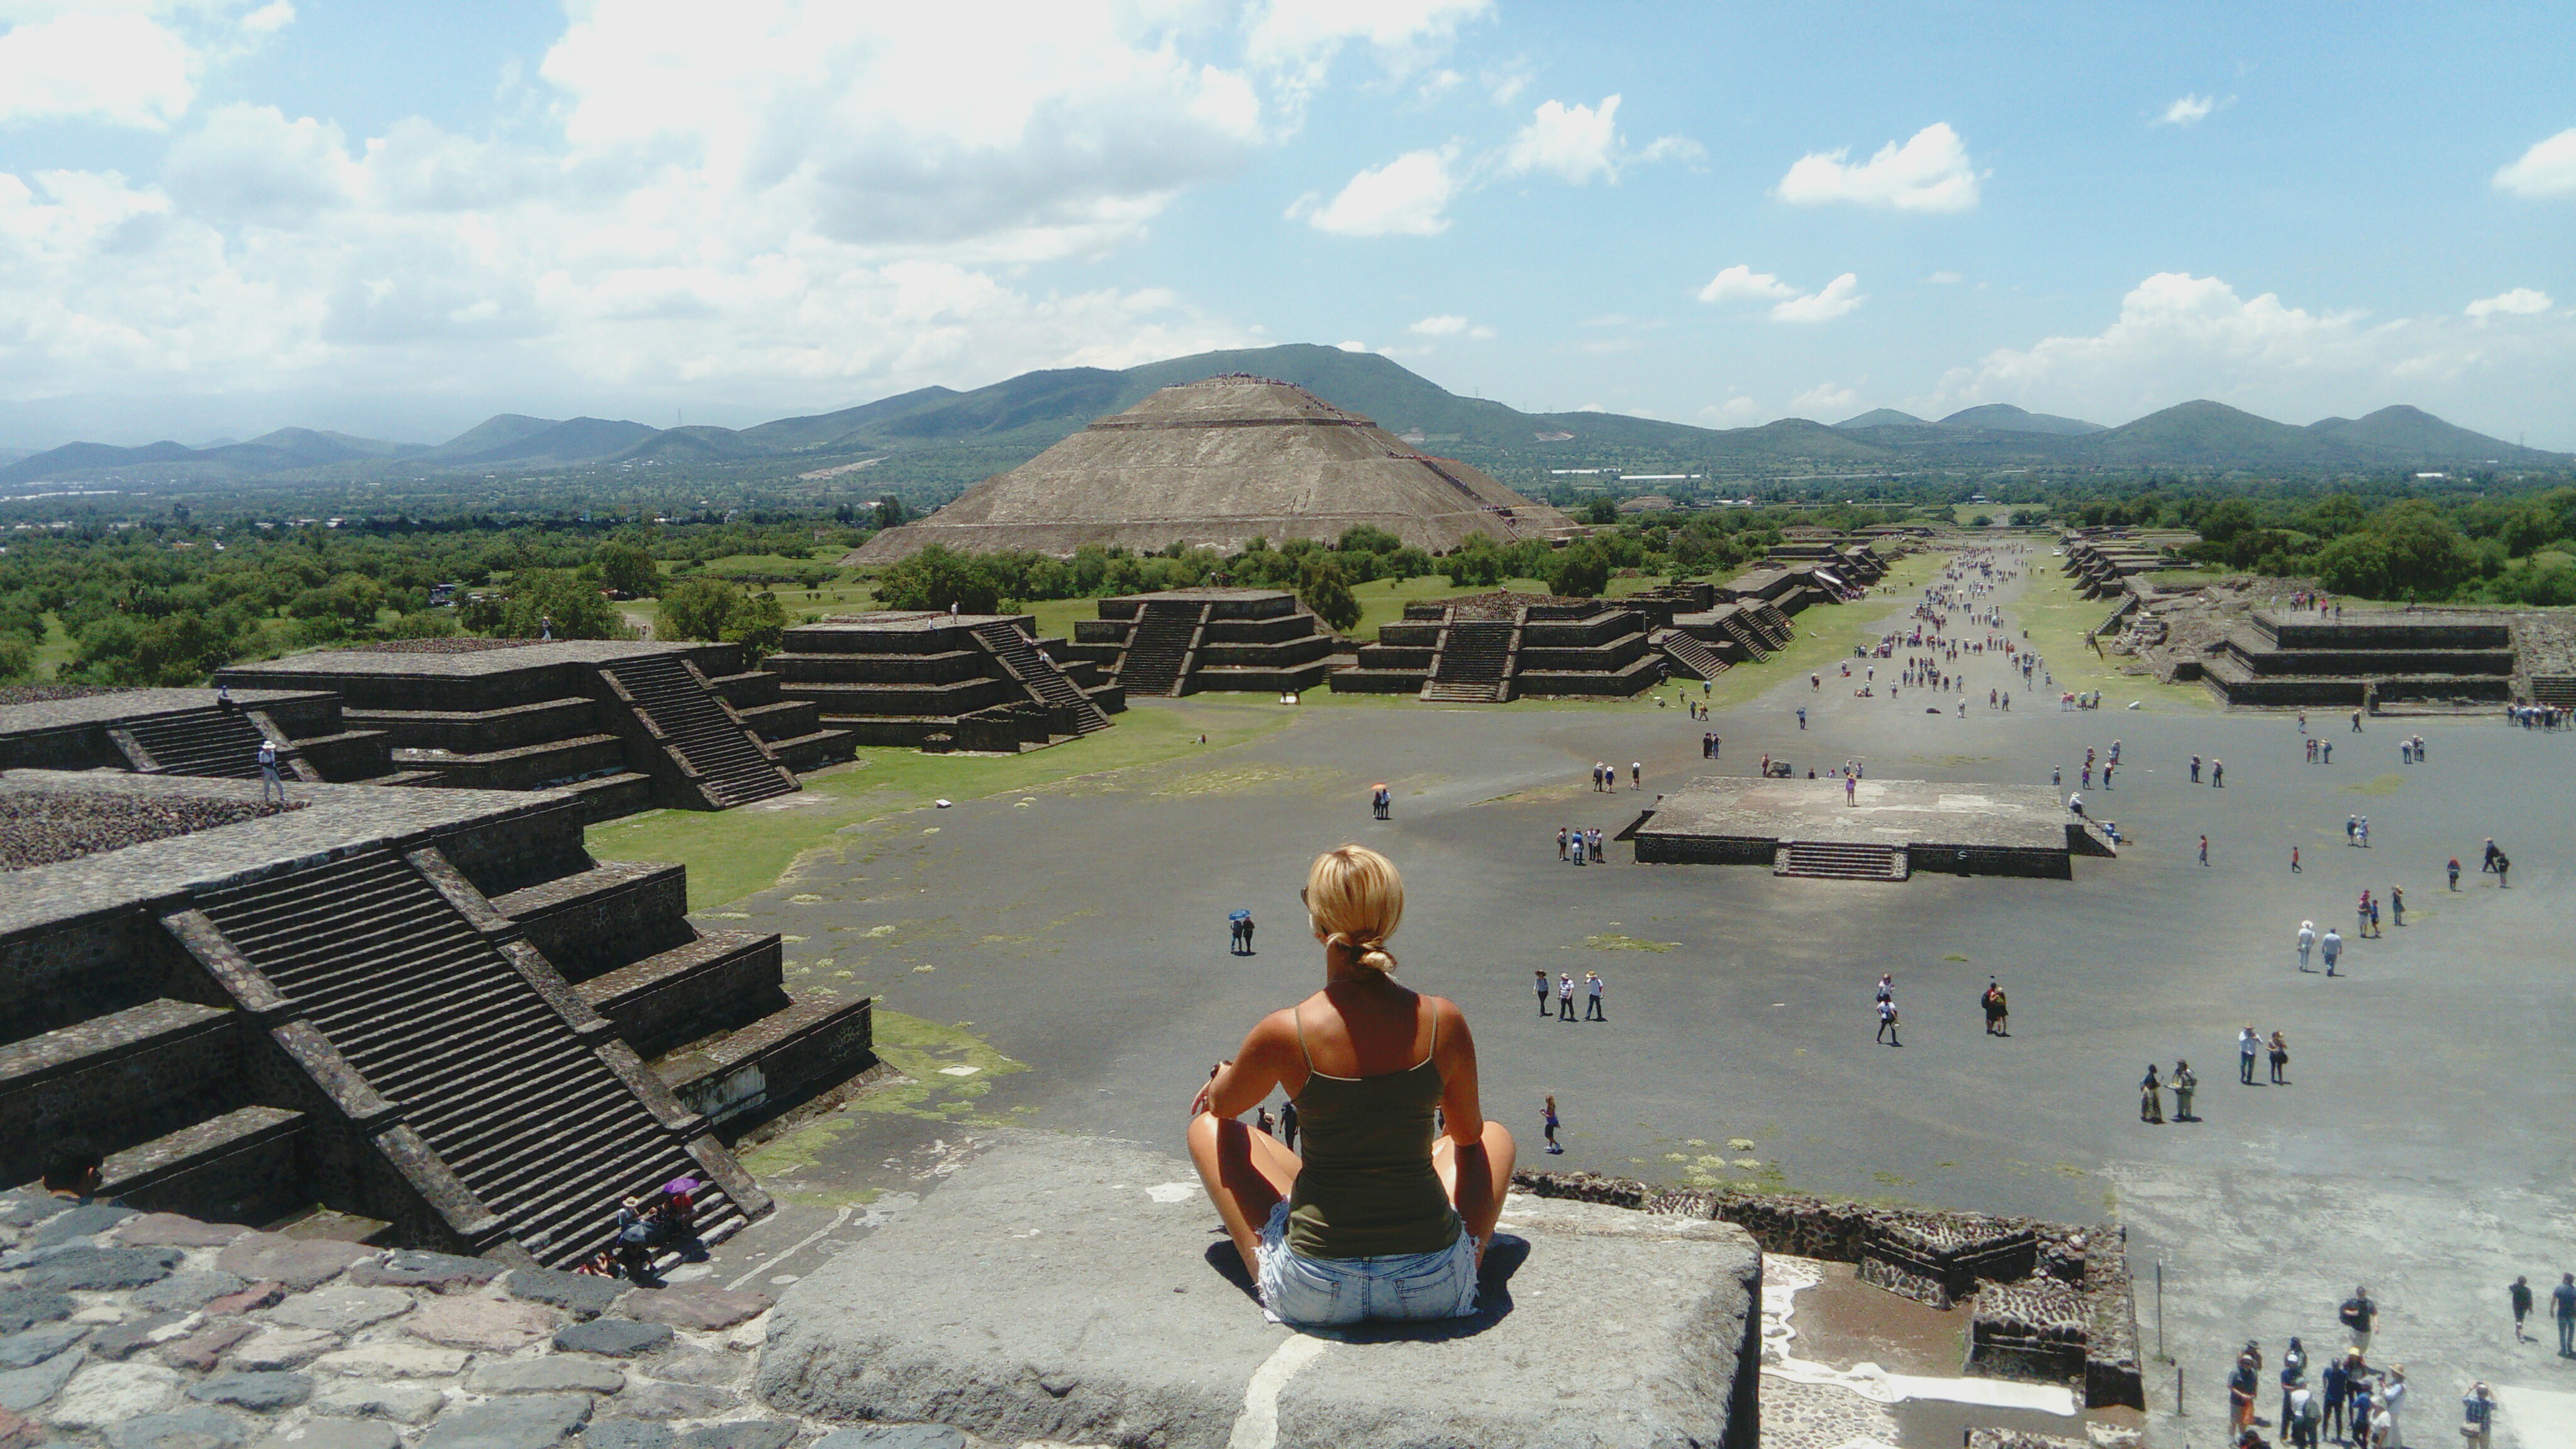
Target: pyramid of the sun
{"type": "Point", "coordinates": [1216, 464]}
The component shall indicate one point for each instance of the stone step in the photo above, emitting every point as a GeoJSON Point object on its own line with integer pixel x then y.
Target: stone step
{"type": "Point", "coordinates": [126, 1076]}
{"type": "Point", "coordinates": [238, 1167]}
{"type": "Point", "coordinates": [720, 980]}
{"type": "Point", "coordinates": [1839, 860]}
{"type": "Point", "coordinates": [761, 1068]}
{"type": "Point", "coordinates": [212, 741]}
{"type": "Point", "coordinates": [730, 765]}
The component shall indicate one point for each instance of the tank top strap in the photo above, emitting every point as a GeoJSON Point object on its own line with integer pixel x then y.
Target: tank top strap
{"type": "Point", "coordinates": [1434, 1053]}
{"type": "Point", "coordinates": [1297, 1014]}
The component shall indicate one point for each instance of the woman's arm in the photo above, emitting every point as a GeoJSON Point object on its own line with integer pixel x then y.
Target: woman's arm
{"type": "Point", "coordinates": [1259, 1065]}
{"type": "Point", "coordinates": [1462, 1112]}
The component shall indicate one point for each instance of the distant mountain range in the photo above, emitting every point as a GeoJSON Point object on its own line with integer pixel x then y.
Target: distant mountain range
{"type": "Point", "coordinates": [1023, 415]}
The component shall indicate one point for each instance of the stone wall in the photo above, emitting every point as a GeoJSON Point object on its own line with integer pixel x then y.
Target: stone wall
{"type": "Point", "coordinates": [2079, 1273]}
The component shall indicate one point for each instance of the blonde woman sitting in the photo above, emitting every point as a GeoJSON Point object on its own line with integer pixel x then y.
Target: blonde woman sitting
{"type": "Point", "coordinates": [1376, 1219]}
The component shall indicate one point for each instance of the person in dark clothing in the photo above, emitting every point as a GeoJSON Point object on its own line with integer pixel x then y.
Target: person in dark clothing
{"type": "Point", "coordinates": [1542, 993]}
{"type": "Point", "coordinates": [2241, 1386]}
{"type": "Point", "coordinates": [2357, 1314]}
{"type": "Point", "coordinates": [2520, 1296]}
{"type": "Point", "coordinates": [2338, 1387]}
{"type": "Point", "coordinates": [74, 1170]}
{"type": "Point", "coordinates": [1288, 1124]}
{"type": "Point", "coordinates": [2562, 1305]}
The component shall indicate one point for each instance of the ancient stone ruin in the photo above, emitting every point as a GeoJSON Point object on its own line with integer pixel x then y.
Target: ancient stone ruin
{"type": "Point", "coordinates": [428, 1009]}
{"type": "Point", "coordinates": [1216, 464]}
{"type": "Point", "coordinates": [626, 725]}
{"type": "Point", "coordinates": [1183, 641]}
{"type": "Point", "coordinates": [943, 681]}
{"type": "Point", "coordinates": [2048, 1301]}
{"type": "Point", "coordinates": [1493, 648]}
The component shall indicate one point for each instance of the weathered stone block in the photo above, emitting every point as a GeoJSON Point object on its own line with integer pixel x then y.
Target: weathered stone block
{"type": "Point", "coordinates": [194, 1427]}
{"type": "Point", "coordinates": [26, 1350]}
{"type": "Point", "coordinates": [582, 1295]}
{"type": "Point", "coordinates": [189, 1291]}
{"type": "Point", "coordinates": [22, 1308]}
{"type": "Point", "coordinates": [283, 1348]}
{"type": "Point", "coordinates": [258, 1392]}
{"type": "Point", "coordinates": [1104, 1314]}
{"type": "Point", "coordinates": [326, 1434]}
{"type": "Point", "coordinates": [698, 1307]}
{"type": "Point", "coordinates": [299, 1263]}
{"type": "Point", "coordinates": [341, 1310]}
{"type": "Point", "coordinates": [103, 1270]}
{"type": "Point", "coordinates": [169, 1230]}
{"type": "Point", "coordinates": [23, 1389]}
{"type": "Point", "coordinates": [103, 1395]}
{"type": "Point", "coordinates": [438, 1272]}
{"type": "Point", "coordinates": [553, 1374]}
{"type": "Point", "coordinates": [358, 1399]}
{"type": "Point", "coordinates": [530, 1423]}
{"type": "Point", "coordinates": [614, 1337]}
{"type": "Point", "coordinates": [487, 1324]}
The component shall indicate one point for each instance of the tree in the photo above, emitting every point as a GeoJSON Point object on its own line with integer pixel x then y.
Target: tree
{"type": "Point", "coordinates": [627, 568]}
{"type": "Point", "coordinates": [17, 659]}
{"type": "Point", "coordinates": [1581, 571]}
{"type": "Point", "coordinates": [1367, 538]}
{"type": "Point", "coordinates": [543, 601]}
{"type": "Point", "coordinates": [889, 512]}
{"type": "Point", "coordinates": [935, 578]}
{"type": "Point", "coordinates": [1601, 510]}
{"type": "Point", "coordinates": [760, 625]}
{"type": "Point", "coordinates": [2427, 558]}
{"type": "Point", "coordinates": [700, 609]}
{"type": "Point", "coordinates": [1324, 588]}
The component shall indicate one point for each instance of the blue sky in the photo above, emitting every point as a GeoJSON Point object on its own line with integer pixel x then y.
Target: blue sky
{"type": "Point", "coordinates": [220, 216]}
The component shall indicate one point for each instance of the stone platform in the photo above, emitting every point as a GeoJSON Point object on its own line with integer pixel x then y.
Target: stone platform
{"type": "Point", "coordinates": [1079, 1291]}
{"type": "Point", "coordinates": [1893, 829]}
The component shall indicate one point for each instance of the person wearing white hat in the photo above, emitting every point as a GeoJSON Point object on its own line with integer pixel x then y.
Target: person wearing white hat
{"type": "Point", "coordinates": [2307, 940]}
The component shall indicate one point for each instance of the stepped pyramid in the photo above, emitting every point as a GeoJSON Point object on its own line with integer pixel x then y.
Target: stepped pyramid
{"type": "Point", "coordinates": [1215, 464]}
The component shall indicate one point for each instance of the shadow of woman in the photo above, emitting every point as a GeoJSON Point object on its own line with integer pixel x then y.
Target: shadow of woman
{"type": "Point", "coordinates": [1503, 1258]}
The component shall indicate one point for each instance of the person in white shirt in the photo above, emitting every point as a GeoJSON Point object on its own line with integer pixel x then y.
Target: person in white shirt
{"type": "Point", "coordinates": [2307, 940]}
{"type": "Point", "coordinates": [269, 783]}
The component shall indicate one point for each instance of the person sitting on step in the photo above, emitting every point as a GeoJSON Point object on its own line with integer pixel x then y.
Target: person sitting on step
{"type": "Point", "coordinates": [1375, 1219]}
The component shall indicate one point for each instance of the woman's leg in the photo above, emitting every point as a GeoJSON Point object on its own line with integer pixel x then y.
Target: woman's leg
{"type": "Point", "coordinates": [1246, 1174]}
{"type": "Point", "coordinates": [1478, 1194]}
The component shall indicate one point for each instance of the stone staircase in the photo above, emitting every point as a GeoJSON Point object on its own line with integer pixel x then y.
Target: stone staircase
{"type": "Point", "coordinates": [730, 765]}
{"type": "Point", "coordinates": [218, 742]}
{"type": "Point", "coordinates": [519, 1103]}
{"type": "Point", "coordinates": [1690, 654]}
{"type": "Point", "coordinates": [1840, 860]}
{"type": "Point", "coordinates": [2557, 689]}
{"type": "Point", "coordinates": [1158, 650]}
{"type": "Point", "coordinates": [1749, 639]}
{"type": "Point", "coordinates": [1474, 665]}
{"type": "Point", "coordinates": [1048, 684]}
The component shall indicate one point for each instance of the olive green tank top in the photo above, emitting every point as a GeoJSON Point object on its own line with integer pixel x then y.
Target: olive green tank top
{"type": "Point", "coordinates": [1367, 1188]}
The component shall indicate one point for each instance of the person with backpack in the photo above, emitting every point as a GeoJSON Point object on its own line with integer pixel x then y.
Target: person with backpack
{"type": "Point", "coordinates": [2358, 1313]}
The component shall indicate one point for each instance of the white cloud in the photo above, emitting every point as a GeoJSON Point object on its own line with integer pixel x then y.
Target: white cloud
{"type": "Point", "coordinates": [1945, 279]}
{"type": "Point", "coordinates": [2178, 337]}
{"type": "Point", "coordinates": [1450, 326]}
{"type": "Point", "coordinates": [2188, 110]}
{"type": "Point", "coordinates": [127, 69]}
{"type": "Point", "coordinates": [1579, 142]}
{"type": "Point", "coordinates": [1404, 197]}
{"type": "Point", "coordinates": [269, 19]}
{"type": "Point", "coordinates": [1297, 40]}
{"type": "Point", "coordinates": [2520, 302]}
{"type": "Point", "coordinates": [1575, 142]}
{"type": "Point", "coordinates": [1930, 172]}
{"type": "Point", "coordinates": [1352, 346]}
{"type": "Point", "coordinates": [1735, 412]}
{"type": "Point", "coordinates": [1740, 283]}
{"type": "Point", "coordinates": [1838, 299]}
{"type": "Point", "coordinates": [793, 199]}
{"type": "Point", "coordinates": [2548, 169]}
{"type": "Point", "coordinates": [1824, 397]}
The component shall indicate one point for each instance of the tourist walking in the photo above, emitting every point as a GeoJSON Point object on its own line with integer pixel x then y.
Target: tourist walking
{"type": "Point", "coordinates": [2151, 1100]}
{"type": "Point", "coordinates": [1542, 991]}
{"type": "Point", "coordinates": [2294, 1372]}
{"type": "Point", "coordinates": [1887, 1023]}
{"type": "Point", "coordinates": [1288, 1124]}
{"type": "Point", "coordinates": [2337, 1381]}
{"type": "Point", "coordinates": [1565, 997]}
{"type": "Point", "coordinates": [1593, 986]}
{"type": "Point", "coordinates": [2562, 1306]}
{"type": "Point", "coordinates": [2455, 872]}
{"type": "Point", "coordinates": [1998, 1012]}
{"type": "Point", "coordinates": [2397, 905]}
{"type": "Point", "coordinates": [2519, 1295]}
{"type": "Point", "coordinates": [2184, 1085]}
{"type": "Point", "coordinates": [2357, 1314]}
{"type": "Point", "coordinates": [2294, 860]}
{"type": "Point", "coordinates": [2332, 946]}
{"type": "Point", "coordinates": [1381, 800]}
{"type": "Point", "coordinates": [2307, 939]}
{"type": "Point", "coordinates": [2195, 769]}
{"type": "Point", "coordinates": [2248, 1047]}
{"type": "Point", "coordinates": [2204, 850]}
{"type": "Point", "coordinates": [1561, 834]}
{"type": "Point", "coordinates": [1547, 1119]}
{"type": "Point", "coordinates": [2217, 774]}
{"type": "Point", "coordinates": [2280, 1051]}
{"type": "Point", "coordinates": [1636, 774]}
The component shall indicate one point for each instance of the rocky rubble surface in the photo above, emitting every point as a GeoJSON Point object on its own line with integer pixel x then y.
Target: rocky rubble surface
{"type": "Point", "coordinates": [148, 1331]}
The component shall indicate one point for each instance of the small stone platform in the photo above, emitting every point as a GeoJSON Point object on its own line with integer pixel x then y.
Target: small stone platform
{"type": "Point", "coordinates": [1891, 830]}
{"type": "Point", "coordinates": [1080, 1291]}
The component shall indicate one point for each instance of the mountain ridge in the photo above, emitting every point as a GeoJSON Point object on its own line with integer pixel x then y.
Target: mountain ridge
{"type": "Point", "coordinates": [1034, 410]}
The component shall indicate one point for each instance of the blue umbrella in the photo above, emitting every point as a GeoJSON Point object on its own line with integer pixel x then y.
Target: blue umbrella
{"type": "Point", "coordinates": [1240, 916]}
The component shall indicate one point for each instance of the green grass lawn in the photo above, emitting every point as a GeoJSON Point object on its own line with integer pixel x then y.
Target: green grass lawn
{"type": "Point", "coordinates": [56, 650]}
{"type": "Point", "coordinates": [732, 853]}
{"type": "Point", "coordinates": [2058, 617]}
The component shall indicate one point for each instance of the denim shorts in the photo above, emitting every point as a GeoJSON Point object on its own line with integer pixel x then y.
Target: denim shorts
{"type": "Point", "coordinates": [1324, 1292]}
